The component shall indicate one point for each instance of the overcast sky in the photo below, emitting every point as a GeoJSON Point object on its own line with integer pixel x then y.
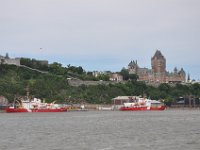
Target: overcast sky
{"type": "Point", "coordinates": [103, 34]}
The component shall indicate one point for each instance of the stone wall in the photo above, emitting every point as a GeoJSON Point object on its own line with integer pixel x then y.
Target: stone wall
{"type": "Point", "coordinates": [77, 82]}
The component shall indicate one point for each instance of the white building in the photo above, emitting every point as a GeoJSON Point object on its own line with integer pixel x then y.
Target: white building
{"type": "Point", "coordinates": [9, 61]}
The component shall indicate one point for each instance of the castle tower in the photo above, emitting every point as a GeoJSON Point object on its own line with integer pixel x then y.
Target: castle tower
{"type": "Point", "coordinates": [133, 67]}
{"type": "Point", "coordinates": [158, 63]}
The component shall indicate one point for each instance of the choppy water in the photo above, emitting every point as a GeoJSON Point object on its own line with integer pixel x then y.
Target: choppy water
{"type": "Point", "coordinates": [101, 130]}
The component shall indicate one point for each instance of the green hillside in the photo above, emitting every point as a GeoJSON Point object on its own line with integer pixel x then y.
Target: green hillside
{"type": "Point", "coordinates": [50, 83]}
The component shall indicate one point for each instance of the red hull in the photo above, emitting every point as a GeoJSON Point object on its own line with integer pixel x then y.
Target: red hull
{"type": "Point", "coordinates": [14, 110]}
{"type": "Point", "coordinates": [133, 108]}
{"type": "Point", "coordinates": [158, 108]}
{"type": "Point", "coordinates": [21, 110]}
{"type": "Point", "coordinates": [141, 108]}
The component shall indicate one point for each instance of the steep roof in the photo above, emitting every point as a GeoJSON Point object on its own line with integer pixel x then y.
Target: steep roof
{"type": "Point", "coordinates": [158, 55]}
{"type": "Point", "coordinates": [182, 71]}
{"type": "Point", "coordinates": [132, 63]}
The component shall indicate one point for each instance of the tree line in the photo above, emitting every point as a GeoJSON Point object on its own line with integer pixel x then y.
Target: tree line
{"type": "Point", "coordinates": [54, 86]}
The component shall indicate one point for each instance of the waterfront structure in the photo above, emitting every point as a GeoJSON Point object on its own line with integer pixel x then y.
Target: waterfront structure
{"type": "Point", "coordinates": [158, 71]}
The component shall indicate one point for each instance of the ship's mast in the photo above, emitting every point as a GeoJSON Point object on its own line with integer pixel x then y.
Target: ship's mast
{"type": "Point", "coordinates": [27, 92]}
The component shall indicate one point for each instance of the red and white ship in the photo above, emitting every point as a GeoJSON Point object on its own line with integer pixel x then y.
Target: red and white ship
{"type": "Point", "coordinates": [142, 104]}
{"type": "Point", "coordinates": [34, 105]}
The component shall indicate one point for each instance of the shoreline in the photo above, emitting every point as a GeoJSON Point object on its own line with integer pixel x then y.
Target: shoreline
{"type": "Point", "coordinates": [92, 109]}
{"type": "Point", "coordinates": [183, 108]}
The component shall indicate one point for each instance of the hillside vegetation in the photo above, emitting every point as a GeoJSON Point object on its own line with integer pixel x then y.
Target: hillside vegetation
{"type": "Point", "coordinates": [53, 85]}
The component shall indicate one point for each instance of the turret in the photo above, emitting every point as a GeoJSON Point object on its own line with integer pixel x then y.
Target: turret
{"type": "Point", "coordinates": [132, 67]}
{"type": "Point", "coordinates": [175, 70]}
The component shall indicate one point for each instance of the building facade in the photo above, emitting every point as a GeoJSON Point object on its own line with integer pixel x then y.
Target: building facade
{"type": "Point", "coordinates": [158, 71]}
{"type": "Point", "coordinates": [16, 61]}
{"type": "Point", "coordinates": [9, 61]}
{"type": "Point", "coordinates": [116, 77]}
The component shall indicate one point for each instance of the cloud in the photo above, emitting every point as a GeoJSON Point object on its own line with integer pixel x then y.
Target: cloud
{"type": "Point", "coordinates": [98, 31]}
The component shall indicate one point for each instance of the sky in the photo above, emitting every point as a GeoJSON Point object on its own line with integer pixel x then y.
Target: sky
{"type": "Point", "coordinates": [103, 34]}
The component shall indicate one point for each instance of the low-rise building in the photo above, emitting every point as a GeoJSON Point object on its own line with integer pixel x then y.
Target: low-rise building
{"type": "Point", "coordinates": [9, 61]}
{"type": "Point", "coordinates": [116, 77]}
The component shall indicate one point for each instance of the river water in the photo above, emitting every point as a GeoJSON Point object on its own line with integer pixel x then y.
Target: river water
{"type": "Point", "coordinates": [101, 130]}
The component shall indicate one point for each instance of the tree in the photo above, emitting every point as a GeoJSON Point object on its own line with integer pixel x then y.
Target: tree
{"type": "Point", "coordinates": [56, 68]}
{"type": "Point", "coordinates": [124, 72]}
{"type": "Point", "coordinates": [195, 89]}
{"type": "Point", "coordinates": [80, 70]}
{"type": "Point", "coordinates": [2, 61]}
{"type": "Point", "coordinates": [164, 87]}
{"type": "Point", "coordinates": [103, 77]}
{"type": "Point", "coordinates": [133, 77]}
{"type": "Point", "coordinates": [168, 101]}
{"type": "Point", "coordinates": [26, 61]}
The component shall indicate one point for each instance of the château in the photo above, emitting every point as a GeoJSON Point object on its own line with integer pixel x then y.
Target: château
{"type": "Point", "coordinates": [158, 71]}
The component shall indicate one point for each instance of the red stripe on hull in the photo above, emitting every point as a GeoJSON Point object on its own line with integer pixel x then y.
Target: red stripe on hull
{"type": "Point", "coordinates": [158, 108]}
{"type": "Point", "coordinates": [14, 110]}
{"type": "Point", "coordinates": [133, 108]}
{"type": "Point", "coordinates": [142, 108]}
{"type": "Point", "coordinates": [22, 110]}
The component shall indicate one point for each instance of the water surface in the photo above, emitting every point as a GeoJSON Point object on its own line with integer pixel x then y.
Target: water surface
{"type": "Point", "coordinates": [101, 130]}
